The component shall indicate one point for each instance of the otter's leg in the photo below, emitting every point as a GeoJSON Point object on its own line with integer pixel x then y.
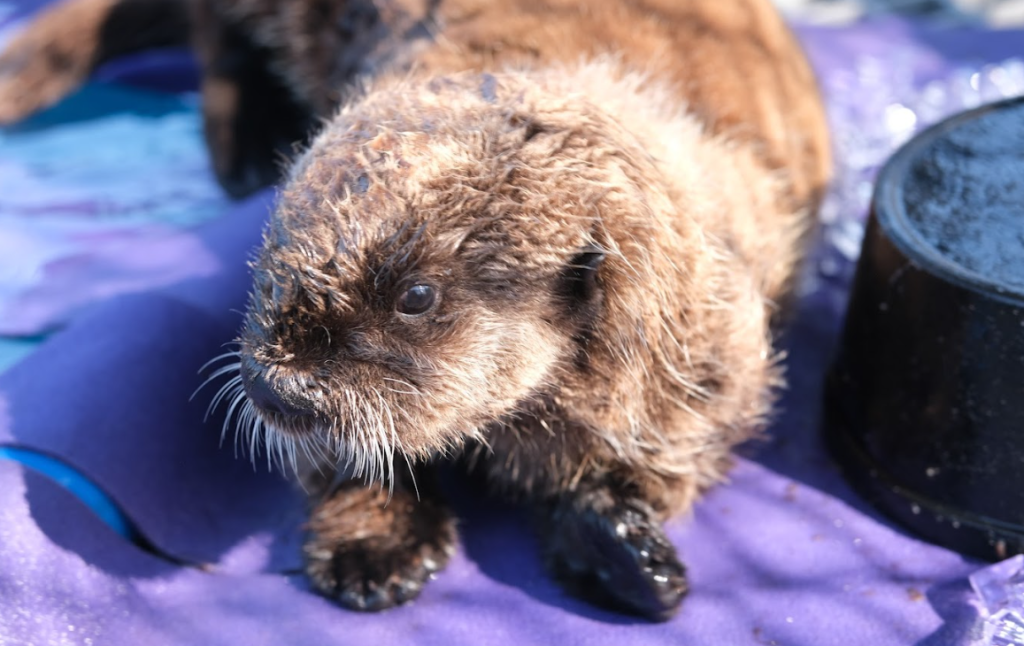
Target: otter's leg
{"type": "Point", "coordinates": [251, 120]}
{"type": "Point", "coordinates": [370, 553]}
{"type": "Point", "coordinates": [606, 545]}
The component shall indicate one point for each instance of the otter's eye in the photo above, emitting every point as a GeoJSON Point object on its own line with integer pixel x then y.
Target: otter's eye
{"type": "Point", "coordinates": [416, 300]}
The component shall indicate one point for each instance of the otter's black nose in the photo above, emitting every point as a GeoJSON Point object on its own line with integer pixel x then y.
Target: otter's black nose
{"type": "Point", "coordinates": [268, 399]}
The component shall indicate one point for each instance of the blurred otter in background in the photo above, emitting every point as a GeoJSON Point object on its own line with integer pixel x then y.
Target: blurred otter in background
{"type": "Point", "coordinates": [544, 237]}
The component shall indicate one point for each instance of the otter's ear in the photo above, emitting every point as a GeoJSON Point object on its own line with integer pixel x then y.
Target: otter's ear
{"type": "Point", "coordinates": [580, 277]}
{"type": "Point", "coordinates": [542, 138]}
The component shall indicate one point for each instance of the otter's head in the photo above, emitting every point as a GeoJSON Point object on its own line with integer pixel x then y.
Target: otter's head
{"type": "Point", "coordinates": [435, 261]}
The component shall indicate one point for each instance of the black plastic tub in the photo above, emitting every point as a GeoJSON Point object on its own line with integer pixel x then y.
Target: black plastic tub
{"type": "Point", "coordinates": [925, 400]}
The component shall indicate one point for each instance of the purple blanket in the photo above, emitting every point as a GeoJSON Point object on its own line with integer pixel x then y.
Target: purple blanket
{"type": "Point", "coordinates": [784, 554]}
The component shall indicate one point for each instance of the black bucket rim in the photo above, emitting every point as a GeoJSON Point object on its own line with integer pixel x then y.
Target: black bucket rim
{"type": "Point", "coordinates": [887, 203]}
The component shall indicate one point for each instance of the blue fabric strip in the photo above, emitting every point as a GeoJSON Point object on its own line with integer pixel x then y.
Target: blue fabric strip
{"type": "Point", "coordinates": [13, 350]}
{"type": "Point", "coordinates": [83, 488]}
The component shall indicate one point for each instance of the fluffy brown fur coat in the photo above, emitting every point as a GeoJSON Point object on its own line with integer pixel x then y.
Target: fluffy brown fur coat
{"type": "Point", "coordinates": [546, 235]}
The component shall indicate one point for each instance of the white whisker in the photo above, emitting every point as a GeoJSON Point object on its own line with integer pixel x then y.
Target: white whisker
{"type": "Point", "coordinates": [245, 420]}
{"type": "Point", "coordinates": [232, 387]}
{"type": "Point", "coordinates": [223, 370]}
{"type": "Point", "coordinates": [292, 454]}
{"type": "Point", "coordinates": [235, 401]}
{"type": "Point", "coordinates": [218, 358]}
{"type": "Point", "coordinates": [389, 441]}
{"type": "Point", "coordinates": [257, 423]}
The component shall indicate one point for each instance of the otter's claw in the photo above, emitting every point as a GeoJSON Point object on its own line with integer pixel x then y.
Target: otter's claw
{"type": "Point", "coordinates": [370, 576]}
{"type": "Point", "coordinates": [370, 553]}
{"type": "Point", "coordinates": [617, 556]}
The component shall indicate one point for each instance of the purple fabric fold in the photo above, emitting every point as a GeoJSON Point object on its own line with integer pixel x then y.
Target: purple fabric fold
{"type": "Point", "coordinates": [135, 432]}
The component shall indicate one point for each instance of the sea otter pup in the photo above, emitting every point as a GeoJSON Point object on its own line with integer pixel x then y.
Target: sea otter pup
{"type": "Point", "coordinates": [544, 237]}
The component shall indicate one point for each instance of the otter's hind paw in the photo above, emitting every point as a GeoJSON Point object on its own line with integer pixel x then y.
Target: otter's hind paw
{"type": "Point", "coordinates": [35, 75]}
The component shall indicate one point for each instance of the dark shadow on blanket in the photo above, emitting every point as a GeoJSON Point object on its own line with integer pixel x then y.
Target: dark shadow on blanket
{"type": "Point", "coordinates": [795, 445]}
{"type": "Point", "coordinates": [70, 525]}
{"type": "Point", "coordinates": [960, 618]}
{"type": "Point", "coordinates": [110, 397]}
{"type": "Point", "coordinates": [499, 538]}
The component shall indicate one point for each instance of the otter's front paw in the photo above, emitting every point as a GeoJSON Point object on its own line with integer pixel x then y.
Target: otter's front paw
{"type": "Point", "coordinates": [370, 556]}
{"type": "Point", "coordinates": [614, 553]}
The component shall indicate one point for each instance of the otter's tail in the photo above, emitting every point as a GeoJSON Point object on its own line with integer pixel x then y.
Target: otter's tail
{"type": "Point", "coordinates": [61, 47]}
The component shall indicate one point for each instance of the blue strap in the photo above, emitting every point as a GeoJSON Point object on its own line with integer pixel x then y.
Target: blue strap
{"type": "Point", "coordinates": [80, 486]}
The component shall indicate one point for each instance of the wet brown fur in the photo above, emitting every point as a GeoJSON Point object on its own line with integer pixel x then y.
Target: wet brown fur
{"type": "Point", "coordinates": [490, 146]}
{"type": "Point", "coordinates": [702, 232]}
{"type": "Point", "coordinates": [687, 144]}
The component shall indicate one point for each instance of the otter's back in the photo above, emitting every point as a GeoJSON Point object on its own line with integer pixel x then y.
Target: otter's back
{"type": "Point", "coordinates": [734, 63]}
